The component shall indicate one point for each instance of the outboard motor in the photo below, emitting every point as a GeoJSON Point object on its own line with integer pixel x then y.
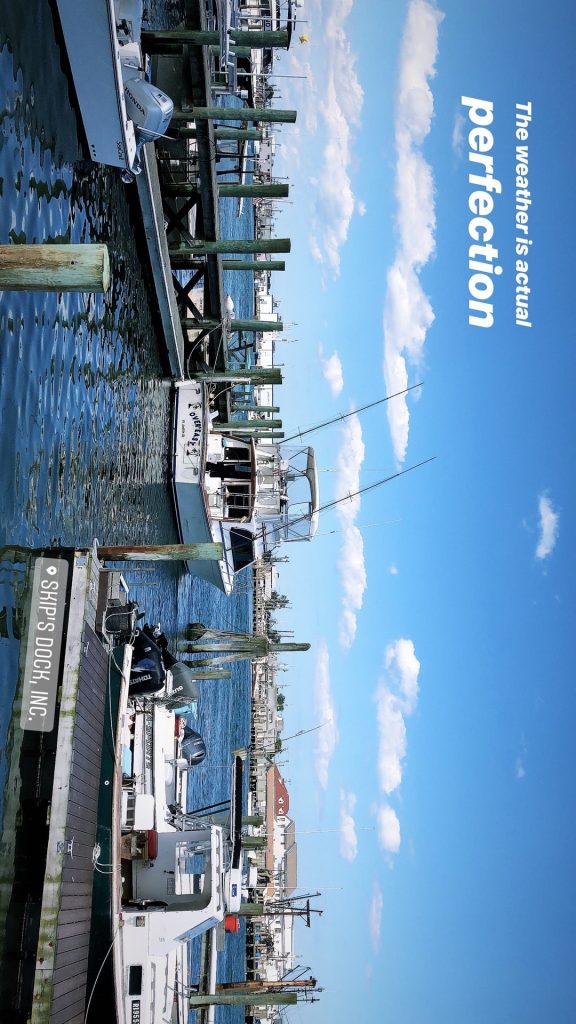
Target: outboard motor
{"type": "Point", "coordinates": [147, 674]}
{"type": "Point", "coordinates": [148, 107]}
{"type": "Point", "coordinates": [193, 746]}
{"type": "Point", "coordinates": [183, 680]}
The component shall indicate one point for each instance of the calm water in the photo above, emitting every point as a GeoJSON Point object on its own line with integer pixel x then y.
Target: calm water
{"type": "Point", "coordinates": [84, 410]}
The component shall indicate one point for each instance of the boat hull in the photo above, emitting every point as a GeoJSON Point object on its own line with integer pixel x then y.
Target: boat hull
{"type": "Point", "coordinates": [89, 31]}
{"type": "Point", "coordinates": [189, 432]}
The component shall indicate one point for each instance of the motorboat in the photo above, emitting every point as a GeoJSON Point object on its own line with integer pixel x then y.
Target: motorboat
{"type": "Point", "coordinates": [121, 109]}
{"type": "Point", "coordinates": [249, 495]}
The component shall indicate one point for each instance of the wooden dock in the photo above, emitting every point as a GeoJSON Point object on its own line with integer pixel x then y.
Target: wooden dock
{"type": "Point", "coordinates": [47, 851]}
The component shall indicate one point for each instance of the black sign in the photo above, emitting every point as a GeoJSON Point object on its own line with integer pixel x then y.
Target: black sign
{"type": "Point", "coordinates": [44, 643]}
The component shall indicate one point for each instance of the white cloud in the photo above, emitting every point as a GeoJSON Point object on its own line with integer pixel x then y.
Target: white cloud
{"type": "Point", "coordinates": [403, 669]}
{"type": "Point", "coordinates": [388, 827]}
{"type": "Point", "coordinates": [348, 836]}
{"type": "Point", "coordinates": [332, 113]}
{"type": "Point", "coordinates": [396, 698]}
{"type": "Point", "coordinates": [391, 739]}
{"type": "Point", "coordinates": [458, 133]}
{"type": "Point", "coordinates": [333, 374]}
{"type": "Point", "coordinates": [375, 916]}
{"type": "Point", "coordinates": [548, 527]}
{"type": "Point", "coordinates": [519, 768]}
{"type": "Point", "coordinates": [351, 563]}
{"type": "Point", "coordinates": [408, 314]}
{"type": "Point", "coordinates": [327, 737]}
{"type": "Point", "coordinates": [393, 570]}
{"type": "Point", "coordinates": [361, 207]}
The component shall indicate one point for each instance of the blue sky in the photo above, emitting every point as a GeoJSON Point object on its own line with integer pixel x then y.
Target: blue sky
{"type": "Point", "coordinates": [435, 809]}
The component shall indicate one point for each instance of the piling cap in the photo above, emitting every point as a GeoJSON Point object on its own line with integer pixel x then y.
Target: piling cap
{"type": "Point", "coordinates": [231, 923]}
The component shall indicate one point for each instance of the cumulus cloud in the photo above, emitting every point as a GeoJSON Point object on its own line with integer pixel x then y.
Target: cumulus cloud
{"type": "Point", "coordinates": [396, 698]}
{"type": "Point", "coordinates": [458, 133]}
{"type": "Point", "coordinates": [375, 916]}
{"type": "Point", "coordinates": [333, 111]}
{"type": "Point", "coordinates": [548, 527]}
{"type": "Point", "coordinates": [333, 373]}
{"type": "Point", "coordinates": [403, 668]}
{"type": "Point", "coordinates": [388, 827]}
{"type": "Point", "coordinates": [327, 737]}
{"type": "Point", "coordinates": [391, 739]}
{"type": "Point", "coordinates": [408, 314]}
{"type": "Point", "coordinates": [351, 564]}
{"type": "Point", "coordinates": [348, 836]}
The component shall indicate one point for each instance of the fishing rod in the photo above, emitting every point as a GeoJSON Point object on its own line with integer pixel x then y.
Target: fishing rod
{"type": "Point", "coordinates": [353, 412]}
{"type": "Point", "coordinates": [307, 516]}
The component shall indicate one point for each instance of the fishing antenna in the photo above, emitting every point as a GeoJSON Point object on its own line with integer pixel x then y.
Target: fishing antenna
{"type": "Point", "coordinates": [353, 412]}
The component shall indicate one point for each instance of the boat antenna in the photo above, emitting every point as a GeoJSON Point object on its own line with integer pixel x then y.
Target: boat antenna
{"type": "Point", "coordinates": [355, 494]}
{"type": "Point", "coordinates": [369, 487]}
{"type": "Point", "coordinates": [345, 415]}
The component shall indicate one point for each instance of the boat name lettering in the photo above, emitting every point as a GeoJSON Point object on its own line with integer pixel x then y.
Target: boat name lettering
{"type": "Point", "coordinates": [42, 662]}
{"type": "Point", "coordinates": [148, 743]}
{"type": "Point", "coordinates": [196, 424]}
{"type": "Point", "coordinates": [132, 97]}
{"type": "Point", "coordinates": [135, 1011]}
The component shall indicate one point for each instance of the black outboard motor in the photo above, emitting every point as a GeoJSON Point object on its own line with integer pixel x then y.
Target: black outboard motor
{"type": "Point", "coordinates": [193, 746]}
{"type": "Point", "coordinates": [147, 674]}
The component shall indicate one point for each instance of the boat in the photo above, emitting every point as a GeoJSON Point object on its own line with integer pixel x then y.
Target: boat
{"type": "Point", "coordinates": [120, 108]}
{"type": "Point", "coordinates": [160, 874]}
{"type": "Point", "coordinates": [250, 496]}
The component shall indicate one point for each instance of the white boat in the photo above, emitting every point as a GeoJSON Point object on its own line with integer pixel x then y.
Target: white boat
{"type": "Point", "coordinates": [160, 876]}
{"type": "Point", "coordinates": [120, 109]}
{"type": "Point", "coordinates": [248, 495]}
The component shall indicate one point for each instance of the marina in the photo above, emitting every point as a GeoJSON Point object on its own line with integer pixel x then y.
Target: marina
{"type": "Point", "coordinates": [115, 765]}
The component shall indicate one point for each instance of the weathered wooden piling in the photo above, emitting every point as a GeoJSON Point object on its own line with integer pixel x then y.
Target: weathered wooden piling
{"type": "Point", "coordinates": [245, 426]}
{"type": "Point", "coordinates": [184, 263]}
{"type": "Point", "coordinates": [162, 553]}
{"type": "Point", "coordinates": [153, 42]}
{"type": "Point", "coordinates": [54, 268]}
{"type": "Point", "coordinates": [206, 324]}
{"type": "Point", "coordinates": [202, 247]}
{"type": "Point", "coordinates": [251, 374]}
{"type": "Point", "coordinates": [270, 115]}
{"type": "Point", "coordinates": [226, 190]}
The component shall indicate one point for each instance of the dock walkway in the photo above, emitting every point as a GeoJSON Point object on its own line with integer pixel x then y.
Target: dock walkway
{"type": "Point", "coordinates": [48, 850]}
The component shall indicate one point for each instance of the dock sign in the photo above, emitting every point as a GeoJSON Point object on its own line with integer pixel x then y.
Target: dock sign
{"type": "Point", "coordinates": [44, 643]}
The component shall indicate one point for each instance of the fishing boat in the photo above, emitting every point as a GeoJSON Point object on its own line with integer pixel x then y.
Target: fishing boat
{"type": "Point", "coordinates": [248, 495]}
{"type": "Point", "coordinates": [159, 874]}
{"type": "Point", "coordinates": [121, 109]}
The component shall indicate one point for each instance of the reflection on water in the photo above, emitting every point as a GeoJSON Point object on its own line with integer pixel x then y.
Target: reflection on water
{"type": "Point", "coordinates": [84, 411]}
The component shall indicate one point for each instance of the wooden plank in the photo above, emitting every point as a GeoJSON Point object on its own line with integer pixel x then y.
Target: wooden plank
{"type": "Point", "coordinates": [72, 970]}
{"type": "Point", "coordinates": [68, 1003]}
{"type": "Point", "coordinates": [69, 958]}
{"type": "Point", "coordinates": [72, 942]}
{"type": "Point", "coordinates": [80, 930]}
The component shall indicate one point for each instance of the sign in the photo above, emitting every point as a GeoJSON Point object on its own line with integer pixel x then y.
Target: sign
{"type": "Point", "coordinates": [44, 643]}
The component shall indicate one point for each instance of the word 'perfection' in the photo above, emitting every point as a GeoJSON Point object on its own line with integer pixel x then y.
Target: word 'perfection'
{"type": "Point", "coordinates": [482, 255]}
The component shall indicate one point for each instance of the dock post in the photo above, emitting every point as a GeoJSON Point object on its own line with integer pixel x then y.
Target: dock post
{"type": "Point", "coordinates": [207, 324]}
{"type": "Point", "coordinates": [202, 247]}
{"type": "Point", "coordinates": [228, 190]}
{"type": "Point", "coordinates": [153, 42]}
{"type": "Point", "coordinates": [245, 426]}
{"type": "Point", "coordinates": [240, 998]}
{"type": "Point", "coordinates": [162, 553]}
{"type": "Point", "coordinates": [54, 268]}
{"type": "Point", "coordinates": [263, 114]}
{"type": "Point", "coordinates": [252, 374]}
{"type": "Point", "coordinates": [256, 265]}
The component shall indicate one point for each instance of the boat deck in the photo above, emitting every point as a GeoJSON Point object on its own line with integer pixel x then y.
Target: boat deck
{"type": "Point", "coordinates": [48, 855]}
